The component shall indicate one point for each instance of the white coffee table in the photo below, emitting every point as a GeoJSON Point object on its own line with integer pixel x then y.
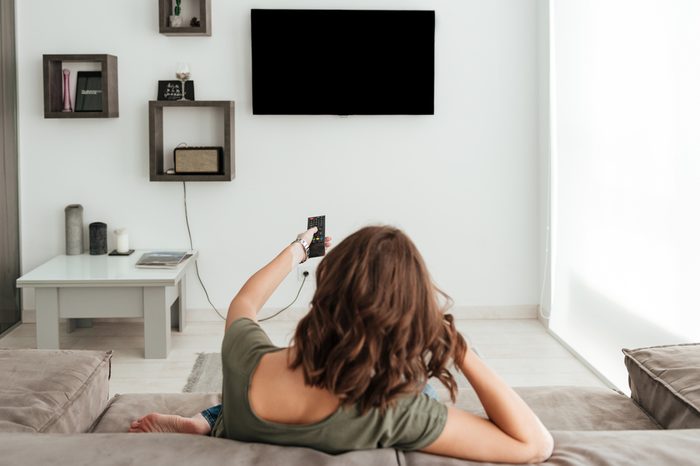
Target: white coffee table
{"type": "Point", "coordinates": [88, 286]}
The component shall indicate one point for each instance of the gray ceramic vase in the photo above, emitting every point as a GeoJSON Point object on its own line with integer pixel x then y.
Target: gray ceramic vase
{"type": "Point", "coordinates": [74, 229]}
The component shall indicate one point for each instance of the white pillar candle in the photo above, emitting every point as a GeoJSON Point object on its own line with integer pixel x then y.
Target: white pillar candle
{"type": "Point", "coordinates": [122, 240]}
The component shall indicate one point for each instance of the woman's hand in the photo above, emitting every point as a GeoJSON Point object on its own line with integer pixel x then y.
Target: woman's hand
{"type": "Point", "coordinates": [308, 236]}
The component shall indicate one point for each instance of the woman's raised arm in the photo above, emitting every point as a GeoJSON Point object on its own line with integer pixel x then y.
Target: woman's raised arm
{"type": "Point", "coordinates": [512, 433]}
{"type": "Point", "coordinates": [258, 289]}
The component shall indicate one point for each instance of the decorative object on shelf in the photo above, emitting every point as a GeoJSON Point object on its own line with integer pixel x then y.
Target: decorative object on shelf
{"type": "Point", "coordinates": [54, 95]}
{"type": "Point", "coordinates": [172, 90]}
{"type": "Point", "coordinates": [176, 19]}
{"type": "Point", "coordinates": [189, 160]}
{"type": "Point", "coordinates": [183, 74]}
{"type": "Point", "coordinates": [66, 91]}
{"type": "Point", "coordinates": [158, 169]}
{"type": "Point", "coordinates": [74, 229]}
{"type": "Point", "coordinates": [98, 238]}
{"type": "Point", "coordinates": [195, 20]}
{"type": "Point", "coordinates": [122, 240]}
{"type": "Point", "coordinates": [88, 91]}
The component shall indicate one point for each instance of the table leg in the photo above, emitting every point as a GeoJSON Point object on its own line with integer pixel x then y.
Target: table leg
{"type": "Point", "coordinates": [46, 318]}
{"type": "Point", "coordinates": [156, 323]}
{"type": "Point", "coordinates": [178, 320]}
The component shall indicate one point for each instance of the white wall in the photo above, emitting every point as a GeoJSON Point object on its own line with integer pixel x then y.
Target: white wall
{"type": "Point", "coordinates": [544, 147]}
{"type": "Point", "coordinates": [627, 176]}
{"type": "Point", "coordinates": [462, 183]}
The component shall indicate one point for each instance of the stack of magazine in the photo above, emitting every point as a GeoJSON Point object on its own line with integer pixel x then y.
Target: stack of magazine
{"type": "Point", "coordinates": [162, 259]}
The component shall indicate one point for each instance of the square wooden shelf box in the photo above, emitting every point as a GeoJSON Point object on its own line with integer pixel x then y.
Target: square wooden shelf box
{"type": "Point", "coordinates": [155, 136]}
{"type": "Point", "coordinates": [53, 86]}
{"type": "Point", "coordinates": [165, 9]}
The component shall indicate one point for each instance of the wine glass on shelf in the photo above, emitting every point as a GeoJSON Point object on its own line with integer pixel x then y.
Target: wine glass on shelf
{"type": "Point", "coordinates": [183, 74]}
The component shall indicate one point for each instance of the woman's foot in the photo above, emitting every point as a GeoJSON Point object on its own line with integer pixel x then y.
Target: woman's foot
{"type": "Point", "coordinates": [156, 422]}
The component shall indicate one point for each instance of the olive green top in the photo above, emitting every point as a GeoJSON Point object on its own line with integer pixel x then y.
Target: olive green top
{"type": "Point", "coordinates": [414, 422]}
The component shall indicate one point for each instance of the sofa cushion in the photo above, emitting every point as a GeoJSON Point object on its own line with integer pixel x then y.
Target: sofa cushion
{"type": "Point", "coordinates": [574, 408]}
{"type": "Point", "coordinates": [604, 448]}
{"type": "Point", "coordinates": [123, 409]}
{"type": "Point", "coordinates": [52, 390]}
{"type": "Point", "coordinates": [559, 408]}
{"type": "Point", "coordinates": [168, 450]}
{"type": "Point", "coordinates": [614, 448]}
{"type": "Point", "coordinates": [665, 381]}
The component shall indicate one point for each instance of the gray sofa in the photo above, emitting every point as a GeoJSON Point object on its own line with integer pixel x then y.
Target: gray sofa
{"type": "Point", "coordinates": [54, 409]}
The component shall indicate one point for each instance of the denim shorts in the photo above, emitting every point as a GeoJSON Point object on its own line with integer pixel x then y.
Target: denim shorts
{"type": "Point", "coordinates": [210, 414]}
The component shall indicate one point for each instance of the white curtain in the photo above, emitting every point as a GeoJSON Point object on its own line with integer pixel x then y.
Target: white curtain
{"type": "Point", "coordinates": [626, 176]}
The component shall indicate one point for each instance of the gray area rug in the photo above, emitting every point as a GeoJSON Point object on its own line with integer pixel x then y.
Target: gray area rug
{"type": "Point", "coordinates": [206, 375]}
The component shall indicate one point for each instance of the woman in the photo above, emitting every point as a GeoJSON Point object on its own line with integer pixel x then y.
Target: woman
{"type": "Point", "coordinates": [360, 358]}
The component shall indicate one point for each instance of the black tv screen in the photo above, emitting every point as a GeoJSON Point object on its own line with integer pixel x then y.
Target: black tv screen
{"type": "Point", "coordinates": [343, 62]}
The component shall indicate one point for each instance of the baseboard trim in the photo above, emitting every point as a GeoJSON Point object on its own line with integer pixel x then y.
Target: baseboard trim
{"type": "Point", "coordinates": [543, 317]}
{"type": "Point", "coordinates": [525, 311]}
{"type": "Point", "coordinates": [528, 311]}
{"type": "Point", "coordinates": [585, 362]}
{"type": "Point", "coordinates": [29, 316]}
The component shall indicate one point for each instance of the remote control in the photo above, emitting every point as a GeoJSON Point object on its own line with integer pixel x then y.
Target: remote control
{"type": "Point", "coordinates": [318, 247]}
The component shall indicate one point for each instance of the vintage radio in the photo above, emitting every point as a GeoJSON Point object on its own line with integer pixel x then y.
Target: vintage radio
{"type": "Point", "coordinates": [199, 160]}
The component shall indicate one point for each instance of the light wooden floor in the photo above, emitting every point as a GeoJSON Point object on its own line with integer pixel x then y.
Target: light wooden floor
{"type": "Point", "coordinates": [521, 351]}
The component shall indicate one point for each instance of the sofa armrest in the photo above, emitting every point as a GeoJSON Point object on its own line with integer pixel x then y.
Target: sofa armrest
{"type": "Point", "coordinates": [665, 381]}
{"type": "Point", "coordinates": [52, 391]}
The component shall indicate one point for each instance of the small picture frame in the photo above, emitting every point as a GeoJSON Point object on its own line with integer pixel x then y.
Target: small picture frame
{"type": "Point", "coordinates": [172, 90]}
{"type": "Point", "coordinates": [88, 91]}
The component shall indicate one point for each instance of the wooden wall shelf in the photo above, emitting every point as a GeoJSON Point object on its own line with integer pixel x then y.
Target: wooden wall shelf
{"type": "Point", "coordinates": [155, 136]}
{"type": "Point", "coordinates": [53, 86]}
{"type": "Point", "coordinates": [165, 9]}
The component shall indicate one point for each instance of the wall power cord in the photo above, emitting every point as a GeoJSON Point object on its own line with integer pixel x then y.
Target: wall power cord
{"type": "Point", "coordinates": [199, 277]}
{"type": "Point", "coordinates": [306, 274]}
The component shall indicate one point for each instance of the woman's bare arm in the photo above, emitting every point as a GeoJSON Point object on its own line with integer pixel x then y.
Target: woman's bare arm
{"type": "Point", "coordinates": [258, 289]}
{"type": "Point", "coordinates": [512, 433]}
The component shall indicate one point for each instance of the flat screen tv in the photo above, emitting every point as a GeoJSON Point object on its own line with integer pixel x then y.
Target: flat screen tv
{"type": "Point", "coordinates": [343, 62]}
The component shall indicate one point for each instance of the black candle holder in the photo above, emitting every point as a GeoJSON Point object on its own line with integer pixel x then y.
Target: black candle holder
{"type": "Point", "coordinates": [98, 238]}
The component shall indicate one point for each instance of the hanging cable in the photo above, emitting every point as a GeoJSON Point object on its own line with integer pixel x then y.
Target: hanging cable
{"type": "Point", "coordinates": [196, 263]}
{"type": "Point", "coordinates": [290, 304]}
{"type": "Point", "coordinates": [199, 277]}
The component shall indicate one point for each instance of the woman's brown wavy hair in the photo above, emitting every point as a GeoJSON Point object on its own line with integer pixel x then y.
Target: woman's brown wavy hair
{"type": "Point", "coordinates": [377, 327]}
